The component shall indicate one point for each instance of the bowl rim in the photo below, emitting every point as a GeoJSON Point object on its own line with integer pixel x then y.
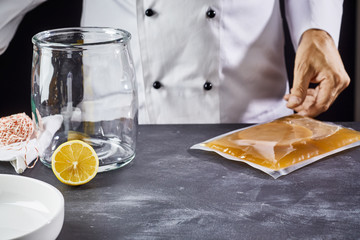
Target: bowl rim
{"type": "Point", "coordinates": [58, 211]}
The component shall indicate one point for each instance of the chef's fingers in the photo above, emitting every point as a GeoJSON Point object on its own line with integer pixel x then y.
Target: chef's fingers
{"type": "Point", "coordinates": [308, 102]}
{"type": "Point", "coordinates": [302, 77]}
{"type": "Point", "coordinates": [304, 72]}
{"type": "Point", "coordinates": [324, 95]}
{"type": "Point", "coordinates": [318, 61]}
{"type": "Point", "coordinates": [286, 97]}
{"type": "Point", "coordinates": [321, 100]}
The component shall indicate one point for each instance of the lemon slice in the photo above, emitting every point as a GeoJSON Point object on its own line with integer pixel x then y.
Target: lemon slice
{"type": "Point", "coordinates": [75, 163]}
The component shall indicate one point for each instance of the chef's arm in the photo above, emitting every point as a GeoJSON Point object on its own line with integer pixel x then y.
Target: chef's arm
{"type": "Point", "coordinates": [315, 28]}
{"type": "Point", "coordinates": [11, 14]}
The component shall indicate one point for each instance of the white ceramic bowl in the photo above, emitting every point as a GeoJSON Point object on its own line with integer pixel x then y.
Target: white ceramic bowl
{"type": "Point", "coordinates": [29, 208]}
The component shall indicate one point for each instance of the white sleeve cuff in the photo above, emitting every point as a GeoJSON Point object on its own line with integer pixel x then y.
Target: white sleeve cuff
{"type": "Point", "coordinates": [11, 14]}
{"type": "Point", "coordinates": [302, 15]}
{"type": "Point", "coordinates": [8, 32]}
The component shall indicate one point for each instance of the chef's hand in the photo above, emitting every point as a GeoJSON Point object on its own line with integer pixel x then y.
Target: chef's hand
{"type": "Point", "coordinates": [317, 61]}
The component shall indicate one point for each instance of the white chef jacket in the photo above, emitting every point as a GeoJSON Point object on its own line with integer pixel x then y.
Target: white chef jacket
{"type": "Point", "coordinates": [211, 61]}
{"type": "Point", "coordinates": [239, 51]}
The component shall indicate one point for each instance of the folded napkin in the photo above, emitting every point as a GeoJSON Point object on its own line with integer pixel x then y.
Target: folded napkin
{"type": "Point", "coordinates": [22, 154]}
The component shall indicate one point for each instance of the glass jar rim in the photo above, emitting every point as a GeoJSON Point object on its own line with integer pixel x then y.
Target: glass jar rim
{"type": "Point", "coordinates": [118, 36]}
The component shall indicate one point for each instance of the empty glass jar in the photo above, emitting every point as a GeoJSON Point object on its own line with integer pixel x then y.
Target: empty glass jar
{"type": "Point", "coordinates": [84, 88]}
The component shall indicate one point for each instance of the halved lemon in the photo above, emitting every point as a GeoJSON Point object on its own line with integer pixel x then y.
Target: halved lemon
{"type": "Point", "coordinates": [75, 162]}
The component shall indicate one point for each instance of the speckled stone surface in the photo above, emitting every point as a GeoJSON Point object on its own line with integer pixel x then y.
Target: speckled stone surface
{"type": "Point", "coordinates": [172, 192]}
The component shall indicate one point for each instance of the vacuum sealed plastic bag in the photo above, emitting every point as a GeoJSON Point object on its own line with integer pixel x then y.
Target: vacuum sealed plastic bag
{"type": "Point", "coordinates": [283, 145]}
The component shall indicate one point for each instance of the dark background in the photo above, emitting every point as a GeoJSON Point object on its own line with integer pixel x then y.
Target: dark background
{"type": "Point", "coordinates": [15, 63]}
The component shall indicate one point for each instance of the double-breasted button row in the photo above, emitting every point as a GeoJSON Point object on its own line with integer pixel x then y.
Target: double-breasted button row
{"type": "Point", "coordinates": [209, 13]}
{"type": "Point", "coordinates": [207, 85]}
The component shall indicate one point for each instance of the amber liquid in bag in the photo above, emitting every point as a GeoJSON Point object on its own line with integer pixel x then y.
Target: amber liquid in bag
{"type": "Point", "coordinates": [285, 141]}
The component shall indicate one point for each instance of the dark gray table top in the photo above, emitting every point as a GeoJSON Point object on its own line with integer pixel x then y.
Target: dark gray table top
{"type": "Point", "coordinates": [171, 192]}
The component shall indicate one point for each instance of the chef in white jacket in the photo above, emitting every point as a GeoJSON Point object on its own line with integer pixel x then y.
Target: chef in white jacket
{"type": "Point", "coordinates": [218, 61]}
